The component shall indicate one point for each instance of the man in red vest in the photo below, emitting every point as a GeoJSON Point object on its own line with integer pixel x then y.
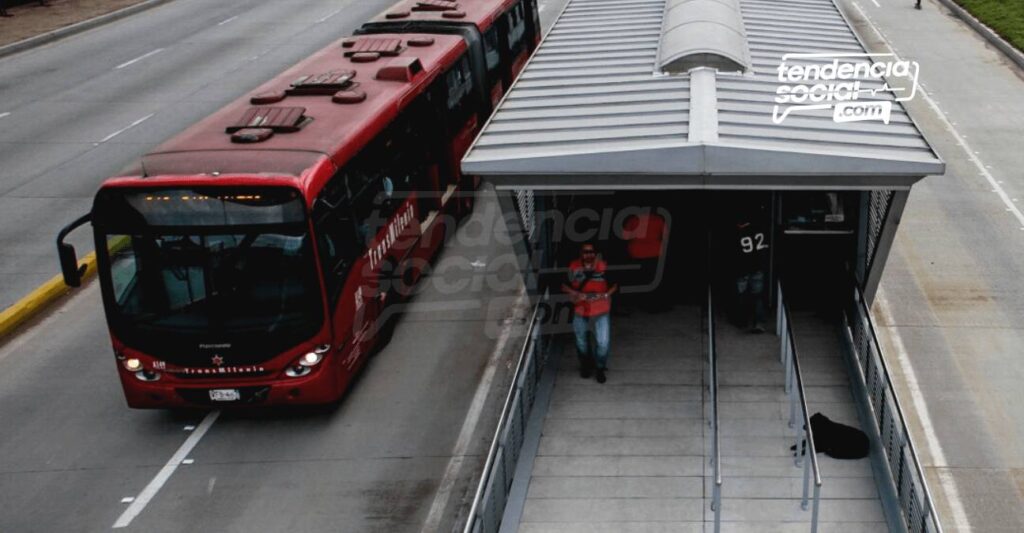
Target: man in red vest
{"type": "Point", "coordinates": [591, 293]}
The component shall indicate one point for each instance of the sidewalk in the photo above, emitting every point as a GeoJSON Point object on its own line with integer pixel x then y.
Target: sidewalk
{"type": "Point", "coordinates": [31, 19]}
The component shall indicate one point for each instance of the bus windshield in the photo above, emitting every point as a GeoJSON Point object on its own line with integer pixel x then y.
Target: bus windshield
{"type": "Point", "coordinates": [168, 269]}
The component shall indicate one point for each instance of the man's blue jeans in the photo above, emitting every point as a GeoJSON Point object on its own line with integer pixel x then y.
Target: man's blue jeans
{"type": "Point", "coordinates": [749, 291]}
{"type": "Point", "coordinates": [602, 334]}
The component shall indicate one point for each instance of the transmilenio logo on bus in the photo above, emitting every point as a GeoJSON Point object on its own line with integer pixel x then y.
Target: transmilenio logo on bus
{"type": "Point", "coordinates": [855, 87]}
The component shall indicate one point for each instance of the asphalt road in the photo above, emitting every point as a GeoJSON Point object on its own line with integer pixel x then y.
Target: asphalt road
{"type": "Point", "coordinates": [952, 297]}
{"type": "Point", "coordinates": [401, 450]}
{"type": "Point", "coordinates": [67, 109]}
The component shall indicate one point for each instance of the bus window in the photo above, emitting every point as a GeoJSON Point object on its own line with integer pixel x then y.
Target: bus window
{"type": "Point", "coordinates": [460, 85]}
{"type": "Point", "coordinates": [492, 54]}
{"type": "Point", "coordinates": [516, 18]}
{"type": "Point", "coordinates": [337, 242]}
{"type": "Point", "coordinates": [386, 173]}
{"type": "Point", "coordinates": [371, 203]}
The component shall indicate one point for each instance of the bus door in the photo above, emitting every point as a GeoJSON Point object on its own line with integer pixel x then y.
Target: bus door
{"type": "Point", "coordinates": [413, 164]}
{"type": "Point", "coordinates": [351, 303]}
{"type": "Point", "coordinates": [458, 96]}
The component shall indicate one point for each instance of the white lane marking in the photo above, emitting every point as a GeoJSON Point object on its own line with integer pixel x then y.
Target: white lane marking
{"type": "Point", "coordinates": [140, 58]}
{"type": "Point", "coordinates": [444, 491]}
{"type": "Point", "coordinates": [122, 130]}
{"type": "Point", "coordinates": [128, 499]}
{"type": "Point", "coordinates": [960, 139]}
{"type": "Point", "coordinates": [6, 114]}
{"type": "Point", "coordinates": [329, 15]}
{"type": "Point", "coordinates": [225, 21]}
{"type": "Point", "coordinates": [876, 3]}
{"type": "Point", "coordinates": [941, 465]}
{"type": "Point", "coordinates": [154, 486]}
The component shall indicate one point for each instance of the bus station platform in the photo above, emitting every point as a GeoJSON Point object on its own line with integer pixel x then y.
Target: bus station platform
{"type": "Point", "coordinates": [635, 454]}
{"type": "Point", "coordinates": [628, 104]}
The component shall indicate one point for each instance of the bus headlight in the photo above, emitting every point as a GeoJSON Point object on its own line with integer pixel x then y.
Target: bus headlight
{"type": "Point", "coordinates": [297, 371]}
{"type": "Point", "coordinates": [306, 363]}
{"type": "Point", "coordinates": [132, 365]}
{"type": "Point", "coordinates": [311, 359]}
{"type": "Point", "coordinates": [147, 375]}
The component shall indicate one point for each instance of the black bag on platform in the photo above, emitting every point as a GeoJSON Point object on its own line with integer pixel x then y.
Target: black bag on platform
{"type": "Point", "coordinates": [838, 440]}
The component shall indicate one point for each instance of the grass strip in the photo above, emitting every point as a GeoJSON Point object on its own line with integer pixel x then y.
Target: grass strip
{"type": "Point", "coordinates": [1005, 17]}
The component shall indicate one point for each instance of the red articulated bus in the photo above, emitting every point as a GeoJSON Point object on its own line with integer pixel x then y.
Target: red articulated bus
{"type": "Point", "coordinates": [253, 258]}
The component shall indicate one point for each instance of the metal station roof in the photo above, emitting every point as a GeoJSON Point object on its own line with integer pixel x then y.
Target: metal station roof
{"type": "Point", "coordinates": [594, 109]}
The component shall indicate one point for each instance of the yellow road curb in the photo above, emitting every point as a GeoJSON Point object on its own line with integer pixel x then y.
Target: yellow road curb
{"type": "Point", "coordinates": [37, 300]}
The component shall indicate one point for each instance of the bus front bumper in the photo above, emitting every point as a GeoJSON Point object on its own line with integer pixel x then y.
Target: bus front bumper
{"type": "Point", "coordinates": [319, 387]}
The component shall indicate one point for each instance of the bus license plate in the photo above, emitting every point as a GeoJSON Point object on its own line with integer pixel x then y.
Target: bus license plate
{"type": "Point", "coordinates": [225, 395]}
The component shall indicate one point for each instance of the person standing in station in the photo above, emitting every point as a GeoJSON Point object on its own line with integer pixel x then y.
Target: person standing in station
{"type": "Point", "coordinates": [645, 235]}
{"type": "Point", "coordinates": [591, 292]}
{"type": "Point", "coordinates": [750, 243]}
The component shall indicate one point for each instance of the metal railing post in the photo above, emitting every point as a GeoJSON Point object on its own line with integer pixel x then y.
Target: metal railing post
{"type": "Point", "coordinates": [798, 400]}
{"type": "Point", "coordinates": [716, 434]}
{"type": "Point", "coordinates": [787, 352]}
{"type": "Point", "coordinates": [814, 508]}
{"type": "Point", "coordinates": [778, 311]}
{"type": "Point", "coordinates": [807, 478]}
{"type": "Point", "coordinates": [793, 399]}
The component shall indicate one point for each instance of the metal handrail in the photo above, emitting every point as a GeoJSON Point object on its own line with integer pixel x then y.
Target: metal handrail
{"type": "Point", "coordinates": [862, 306]}
{"type": "Point", "coordinates": [506, 410]}
{"type": "Point", "coordinates": [716, 498]}
{"type": "Point", "coordinates": [797, 396]}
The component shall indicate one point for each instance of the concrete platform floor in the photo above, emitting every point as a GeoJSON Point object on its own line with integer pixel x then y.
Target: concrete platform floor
{"type": "Point", "coordinates": [632, 455]}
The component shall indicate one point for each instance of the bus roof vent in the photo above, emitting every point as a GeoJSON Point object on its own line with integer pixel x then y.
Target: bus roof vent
{"type": "Point", "coordinates": [454, 14]}
{"type": "Point", "coordinates": [365, 57]}
{"type": "Point", "coordinates": [268, 98]}
{"type": "Point", "coordinates": [251, 135]}
{"type": "Point", "coordinates": [276, 119]}
{"type": "Point", "coordinates": [349, 96]}
{"type": "Point", "coordinates": [703, 33]}
{"type": "Point", "coordinates": [420, 41]}
{"type": "Point", "coordinates": [325, 84]}
{"type": "Point", "coordinates": [401, 14]}
{"type": "Point", "coordinates": [400, 69]}
{"type": "Point", "coordinates": [435, 5]}
{"type": "Point", "coordinates": [384, 47]}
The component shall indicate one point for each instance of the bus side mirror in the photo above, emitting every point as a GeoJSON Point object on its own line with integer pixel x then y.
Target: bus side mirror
{"type": "Point", "coordinates": [69, 266]}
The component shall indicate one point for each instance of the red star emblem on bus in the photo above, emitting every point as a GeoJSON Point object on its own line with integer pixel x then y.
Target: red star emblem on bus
{"type": "Point", "coordinates": [217, 360]}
